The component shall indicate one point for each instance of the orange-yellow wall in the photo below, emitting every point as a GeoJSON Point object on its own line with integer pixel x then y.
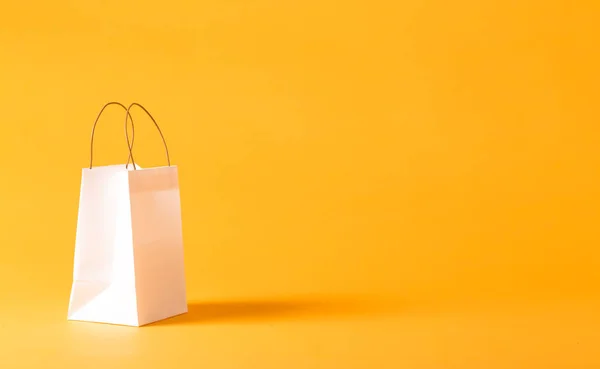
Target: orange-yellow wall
{"type": "Point", "coordinates": [420, 150]}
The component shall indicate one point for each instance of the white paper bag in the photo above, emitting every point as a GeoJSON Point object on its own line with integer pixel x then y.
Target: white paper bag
{"type": "Point", "coordinates": [129, 251]}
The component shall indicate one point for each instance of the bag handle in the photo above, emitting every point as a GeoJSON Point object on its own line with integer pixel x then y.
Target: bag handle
{"type": "Point", "coordinates": [127, 116]}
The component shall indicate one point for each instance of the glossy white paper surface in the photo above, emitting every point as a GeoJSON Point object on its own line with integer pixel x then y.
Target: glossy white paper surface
{"type": "Point", "coordinates": [129, 251]}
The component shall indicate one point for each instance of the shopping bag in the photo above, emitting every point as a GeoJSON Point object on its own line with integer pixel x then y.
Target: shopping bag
{"type": "Point", "coordinates": [128, 266]}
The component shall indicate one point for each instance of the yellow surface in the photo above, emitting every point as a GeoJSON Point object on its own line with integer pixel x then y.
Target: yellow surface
{"type": "Point", "coordinates": [400, 184]}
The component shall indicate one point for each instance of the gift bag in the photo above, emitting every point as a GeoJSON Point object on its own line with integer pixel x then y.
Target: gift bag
{"type": "Point", "coordinates": [128, 267]}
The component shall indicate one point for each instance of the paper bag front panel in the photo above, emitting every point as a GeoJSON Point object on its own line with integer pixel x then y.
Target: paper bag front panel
{"type": "Point", "coordinates": [157, 243]}
{"type": "Point", "coordinates": [103, 277]}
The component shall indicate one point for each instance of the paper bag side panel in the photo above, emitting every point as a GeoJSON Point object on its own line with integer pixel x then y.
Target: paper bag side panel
{"type": "Point", "coordinates": [103, 277]}
{"type": "Point", "coordinates": [157, 243]}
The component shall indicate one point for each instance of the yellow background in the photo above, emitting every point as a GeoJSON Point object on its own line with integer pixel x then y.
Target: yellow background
{"type": "Point", "coordinates": [400, 184]}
